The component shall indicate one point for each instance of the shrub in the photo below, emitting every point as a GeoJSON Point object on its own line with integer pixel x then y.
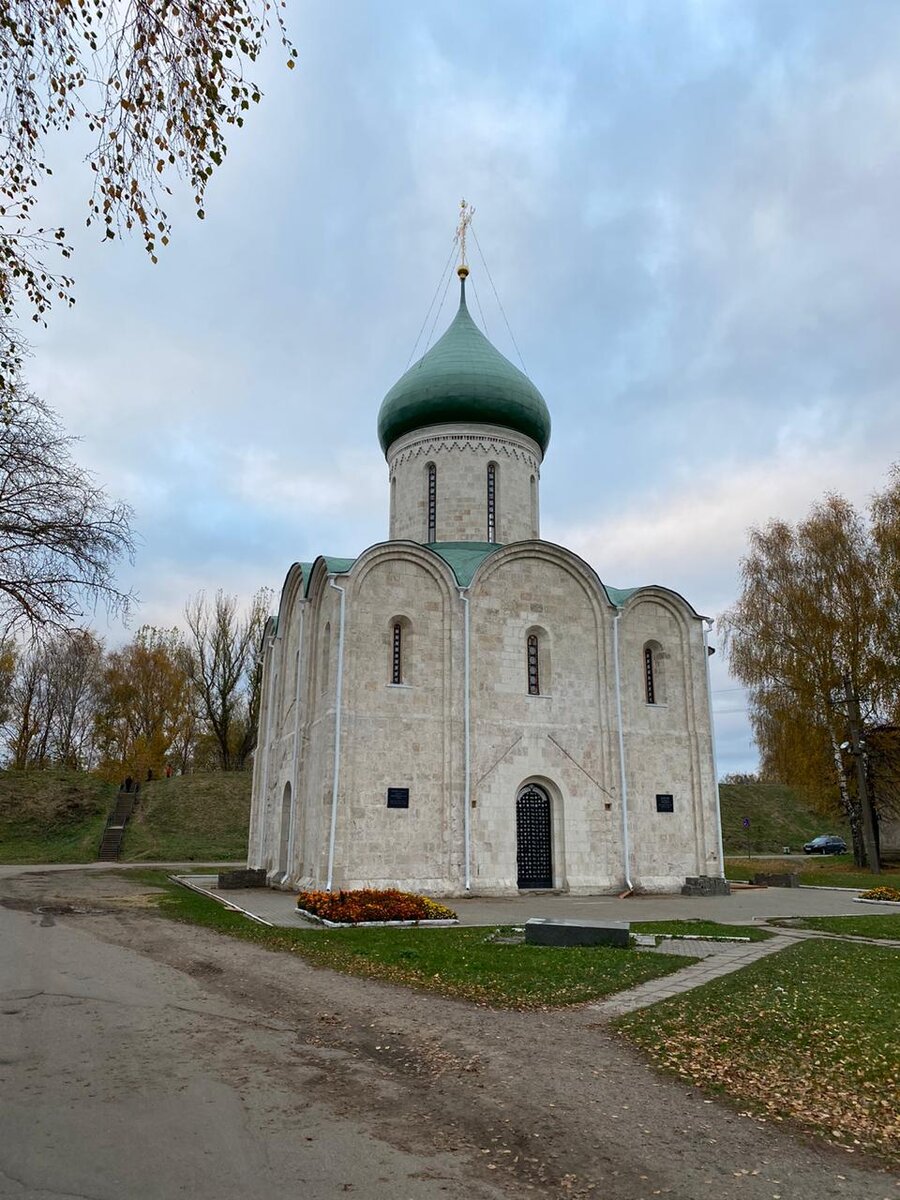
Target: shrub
{"type": "Point", "coordinates": [882, 893]}
{"type": "Point", "coordinates": [369, 904]}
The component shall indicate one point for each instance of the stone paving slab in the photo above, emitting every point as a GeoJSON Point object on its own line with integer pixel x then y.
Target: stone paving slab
{"type": "Point", "coordinates": [741, 908]}
{"type": "Point", "coordinates": [723, 963]}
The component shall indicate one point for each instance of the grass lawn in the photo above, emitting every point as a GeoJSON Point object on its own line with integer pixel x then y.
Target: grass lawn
{"type": "Point", "coordinates": [826, 870]}
{"type": "Point", "coordinates": [811, 1035]}
{"type": "Point", "coordinates": [464, 963]}
{"type": "Point", "coordinates": [779, 816]}
{"type": "Point", "coordinates": [869, 924]}
{"type": "Point", "coordinates": [54, 815]}
{"type": "Point", "coordinates": [699, 928]}
{"type": "Point", "coordinates": [191, 818]}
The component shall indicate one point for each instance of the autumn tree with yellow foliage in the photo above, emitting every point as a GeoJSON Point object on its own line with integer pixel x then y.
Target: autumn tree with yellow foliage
{"type": "Point", "coordinates": [819, 604]}
{"type": "Point", "coordinates": [146, 714]}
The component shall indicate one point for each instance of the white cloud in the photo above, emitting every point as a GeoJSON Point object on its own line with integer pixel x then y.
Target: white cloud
{"type": "Point", "coordinates": [353, 483]}
{"type": "Point", "coordinates": [691, 535]}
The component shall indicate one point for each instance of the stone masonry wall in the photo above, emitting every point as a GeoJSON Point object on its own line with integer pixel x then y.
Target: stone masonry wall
{"type": "Point", "coordinates": [461, 455]}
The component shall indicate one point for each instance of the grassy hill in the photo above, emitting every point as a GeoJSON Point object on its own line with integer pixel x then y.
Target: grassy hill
{"type": "Point", "coordinates": [55, 815]}
{"type": "Point", "coordinates": [58, 815]}
{"type": "Point", "coordinates": [203, 817]}
{"type": "Point", "coordinates": [779, 817]}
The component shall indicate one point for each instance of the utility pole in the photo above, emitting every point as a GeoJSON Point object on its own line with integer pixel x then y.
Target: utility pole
{"type": "Point", "coordinates": [856, 749]}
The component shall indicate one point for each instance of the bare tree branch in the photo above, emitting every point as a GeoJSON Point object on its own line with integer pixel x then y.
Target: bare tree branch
{"type": "Point", "coordinates": [60, 536]}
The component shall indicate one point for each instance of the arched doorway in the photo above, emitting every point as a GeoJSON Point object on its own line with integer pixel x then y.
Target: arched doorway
{"type": "Point", "coordinates": [534, 850]}
{"type": "Point", "coordinates": [285, 830]}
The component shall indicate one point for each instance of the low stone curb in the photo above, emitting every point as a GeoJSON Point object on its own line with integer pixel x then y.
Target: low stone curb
{"type": "Point", "coordinates": [302, 912]}
{"type": "Point", "coordinates": [229, 904]}
{"type": "Point", "coordinates": [860, 900]}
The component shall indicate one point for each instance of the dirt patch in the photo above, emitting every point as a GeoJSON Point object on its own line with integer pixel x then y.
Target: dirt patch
{"type": "Point", "coordinates": [103, 891]}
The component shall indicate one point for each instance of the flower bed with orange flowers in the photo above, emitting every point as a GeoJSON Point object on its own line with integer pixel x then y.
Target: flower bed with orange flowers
{"type": "Point", "coordinates": [370, 906]}
{"type": "Point", "coordinates": [880, 895]}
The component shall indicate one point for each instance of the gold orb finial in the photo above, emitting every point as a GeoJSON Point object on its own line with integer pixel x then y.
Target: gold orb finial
{"type": "Point", "coordinates": [462, 272]}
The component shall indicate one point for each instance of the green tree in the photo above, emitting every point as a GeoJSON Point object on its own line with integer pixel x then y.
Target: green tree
{"type": "Point", "coordinates": [812, 612]}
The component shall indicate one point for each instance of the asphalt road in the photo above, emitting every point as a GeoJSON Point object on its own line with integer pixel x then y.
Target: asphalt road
{"type": "Point", "coordinates": [119, 1079]}
{"type": "Point", "coordinates": [141, 1058]}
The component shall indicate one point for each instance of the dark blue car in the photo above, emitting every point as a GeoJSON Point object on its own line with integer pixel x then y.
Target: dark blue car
{"type": "Point", "coordinates": [826, 845]}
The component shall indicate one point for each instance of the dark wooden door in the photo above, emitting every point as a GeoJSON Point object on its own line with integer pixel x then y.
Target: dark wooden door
{"type": "Point", "coordinates": [535, 859]}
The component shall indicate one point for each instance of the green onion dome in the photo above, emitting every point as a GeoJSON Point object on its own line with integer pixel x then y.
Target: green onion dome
{"type": "Point", "coordinates": [462, 379]}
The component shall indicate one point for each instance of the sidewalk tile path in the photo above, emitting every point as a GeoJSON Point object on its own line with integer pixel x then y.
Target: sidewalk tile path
{"type": "Point", "coordinates": [720, 963]}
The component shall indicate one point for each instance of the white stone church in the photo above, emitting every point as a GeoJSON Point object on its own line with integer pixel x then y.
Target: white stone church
{"type": "Point", "coordinates": [465, 708]}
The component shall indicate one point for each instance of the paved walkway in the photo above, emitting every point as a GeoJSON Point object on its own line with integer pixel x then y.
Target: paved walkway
{"type": "Point", "coordinates": [742, 907]}
{"type": "Point", "coordinates": [720, 963]}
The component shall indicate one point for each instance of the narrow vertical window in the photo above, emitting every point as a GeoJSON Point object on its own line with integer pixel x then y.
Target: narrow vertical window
{"type": "Point", "coordinates": [432, 502]}
{"type": "Point", "coordinates": [534, 676]}
{"type": "Point", "coordinates": [649, 682]}
{"type": "Point", "coordinates": [492, 502]}
{"type": "Point", "coordinates": [397, 654]}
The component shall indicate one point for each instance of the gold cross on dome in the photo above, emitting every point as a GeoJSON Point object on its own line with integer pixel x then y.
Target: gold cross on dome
{"type": "Point", "coordinates": [466, 213]}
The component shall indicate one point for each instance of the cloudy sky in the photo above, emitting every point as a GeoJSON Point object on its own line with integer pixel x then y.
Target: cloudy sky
{"type": "Point", "coordinates": [689, 211]}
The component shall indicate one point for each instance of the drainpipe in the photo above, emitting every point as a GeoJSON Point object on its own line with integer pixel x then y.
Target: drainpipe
{"type": "Point", "coordinates": [467, 742]}
{"type": "Point", "coordinates": [296, 755]}
{"type": "Point", "coordinates": [337, 732]}
{"type": "Point", "coordinates": [623, 781]}
{"type": "Point", "coordinates": [264, 799]}
{"type": "Point", "coordinates": [712, 741]}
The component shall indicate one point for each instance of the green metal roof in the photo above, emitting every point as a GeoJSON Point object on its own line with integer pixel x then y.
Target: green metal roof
{"type": "Point", "coordinates": [462, 378]}
{"type": "Point", "coordinates": [619, 596]}
{"type": "Point", "coordinates": [334, 566]}
{"type": "Point", "coordinates": [463, 558]}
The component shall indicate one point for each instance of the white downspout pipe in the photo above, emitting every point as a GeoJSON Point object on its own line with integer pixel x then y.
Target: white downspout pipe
{"type": "Point", "coordinates": [712, 741]}
{"type": "Point", "coordinates": [339, 689]}
{"type": "Point", "coordinates": [296, 755]}
{"type": "Point", "coordinates": [264, 798]}
{"type": "Point", "coordinates": [623, 779]}
{"type": "Point", "coordinates": [467, 745]}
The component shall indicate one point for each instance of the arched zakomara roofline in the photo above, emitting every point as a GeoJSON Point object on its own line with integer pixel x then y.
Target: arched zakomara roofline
{"type": "Point", "coordinates": [417, 552]}
{"type": "Point", "coordinates": [515, 549]}
{"type": "Point", "coordinates": [319, 570]}
{"type": "Point", "coordinates": [293, 586]}
{"type": "Point", "coordinates": [270, 629]}
{"type": "Point", "coordinates": [658, 591]}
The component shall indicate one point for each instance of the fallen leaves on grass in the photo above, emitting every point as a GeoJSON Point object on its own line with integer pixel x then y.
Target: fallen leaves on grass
{"type": "Point", "coordinates": [809, 1035]}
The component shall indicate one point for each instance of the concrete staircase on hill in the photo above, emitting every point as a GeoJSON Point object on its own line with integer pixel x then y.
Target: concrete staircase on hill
{"type": "Point", "coordinates": [114, 833]}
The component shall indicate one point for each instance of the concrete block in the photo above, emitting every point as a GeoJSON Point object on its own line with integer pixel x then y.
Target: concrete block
{"type": "Point", "coordinates": [788, 879]}
{"type": "Point", "coordinates": [557, 931]}
{"type": "Point", "coordinates": [705, 885]}
{"type": "Point", "coordinates": [242, 879]}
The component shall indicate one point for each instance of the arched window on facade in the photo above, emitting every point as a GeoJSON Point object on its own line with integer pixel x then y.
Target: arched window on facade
{"type": "Point", "coordinates": [431, 497]}
{"type": "Point", "coordinates": [654, 678]}
{"type": "Point", "coordinates": [492, 502]}
{"type": "Point", "coordinates": [537, 661]}
{"type": "Point", "coordinates": [533, 651]}
{"type": "Point", "coordinates": [400, 632]}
